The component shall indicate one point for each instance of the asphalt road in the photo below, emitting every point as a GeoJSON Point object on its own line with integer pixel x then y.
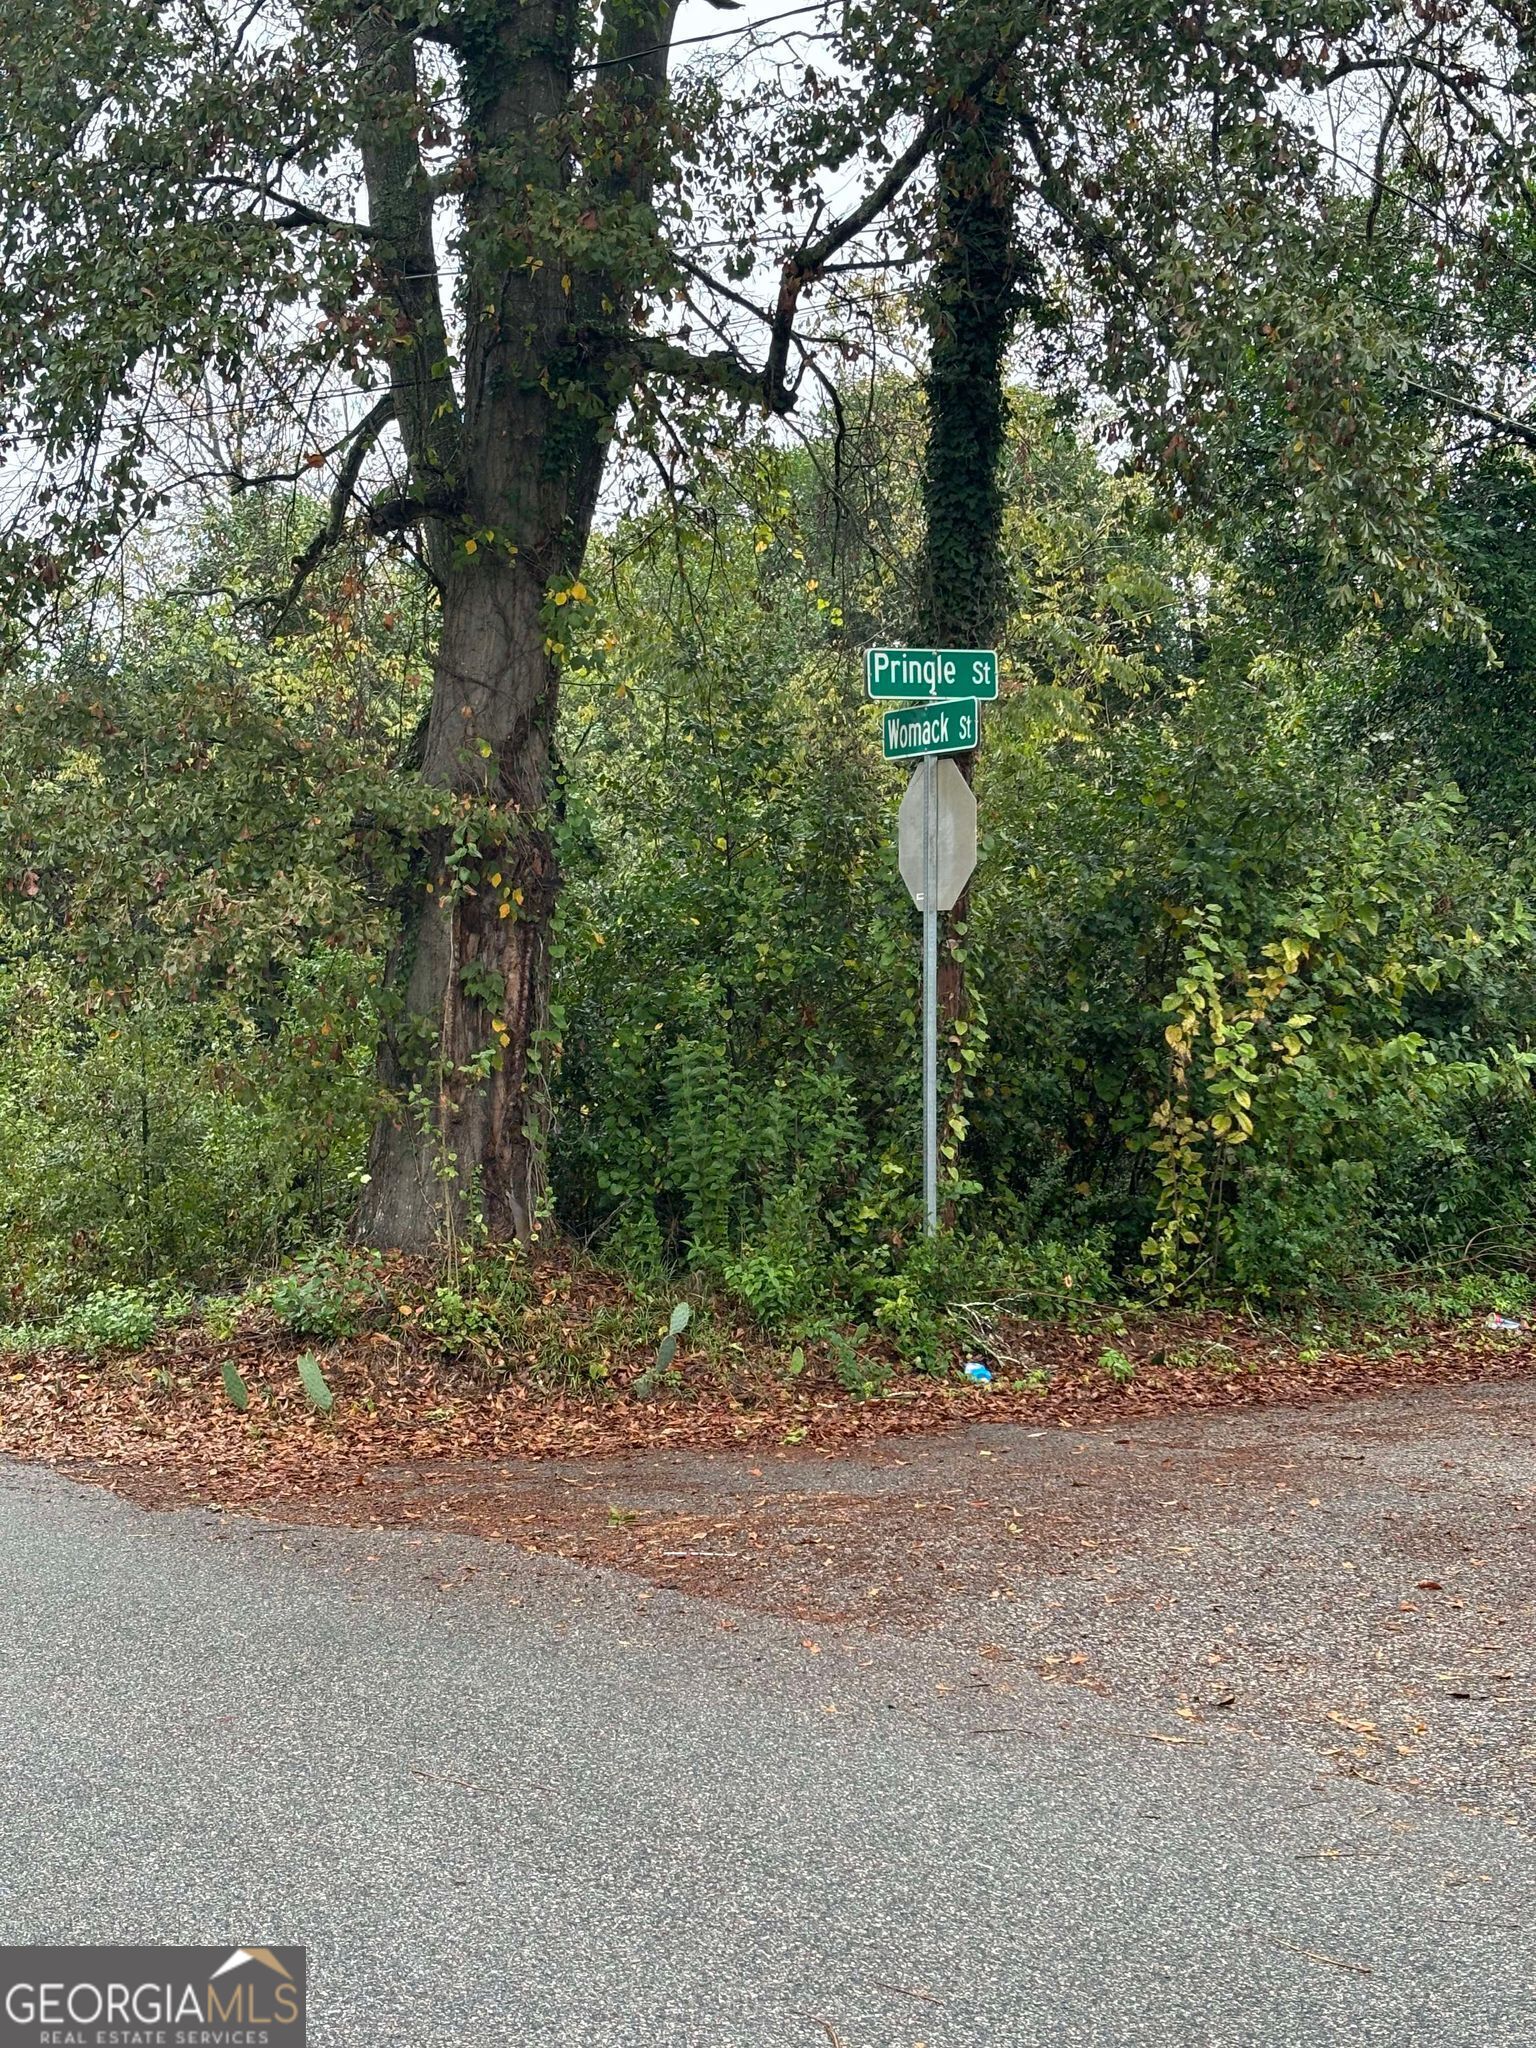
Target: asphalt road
{"type": "Point", "coordinates": [521, 1800]}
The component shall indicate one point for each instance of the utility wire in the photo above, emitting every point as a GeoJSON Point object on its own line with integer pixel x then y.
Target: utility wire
{"type": "Point", "coordinates": [744, 28]}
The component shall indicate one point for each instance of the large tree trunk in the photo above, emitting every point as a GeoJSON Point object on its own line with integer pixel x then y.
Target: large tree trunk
{"type": "Point", "coordinates": [465, 1136]}
{"type": "Point", "coordinates": [972, 304]}
{"type": "Point", "coordinates": [504, 477]}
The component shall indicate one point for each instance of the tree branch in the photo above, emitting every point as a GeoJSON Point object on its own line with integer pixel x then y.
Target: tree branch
{"type": "Point", "coordinates": [1519, 430]}
{"type": "Point", "coordinates": [400, 208]}
{"type": "Point", "coordinates": [807, 262]}
{"type": "Point", "coordinates": [722, 371]}
{"type": "Point", "coordinates": [298, 215]}
{"type": "Point", "coordinates": [363, 442]}
{"type": "Point", "coordinates": [1056, 190]}
{"type": "Point", "coordinates": [398, 514]}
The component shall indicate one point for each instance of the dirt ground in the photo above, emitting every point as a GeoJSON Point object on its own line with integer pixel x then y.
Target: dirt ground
{"type": "Point", "coordinates": [1338, 1548]}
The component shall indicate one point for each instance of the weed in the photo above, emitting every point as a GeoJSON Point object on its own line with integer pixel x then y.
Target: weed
{"type": "Point", "coordinates": [1120, 1368]}
{"type": "Point", "coordinates": [858, 1375]}
{"type": "Point", "coordinates": [666, 1351]}
{"type": "Point", "coordinates": [221, 1316]}
{"type": "Point", "coordinates": [113, 1318]}
{"type": "Point", "coordinates": [310, 1305]}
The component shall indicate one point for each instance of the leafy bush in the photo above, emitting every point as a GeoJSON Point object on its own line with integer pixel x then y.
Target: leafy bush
{"type": "Point", "coordinates": [120, 1318]}
{"type": "Point", "coordinates": [1251, 994]}
{"type": "Point", "coordinates": [310, 1304]}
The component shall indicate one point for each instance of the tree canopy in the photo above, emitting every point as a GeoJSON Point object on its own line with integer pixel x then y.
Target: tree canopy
{"type": "Point", "coordinates": [444, 271]}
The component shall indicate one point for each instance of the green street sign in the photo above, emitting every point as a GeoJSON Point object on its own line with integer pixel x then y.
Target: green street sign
{"type": "Point", "coordinates": [930, 729]}
{"type": "Point", "coordinates": [940, 674]}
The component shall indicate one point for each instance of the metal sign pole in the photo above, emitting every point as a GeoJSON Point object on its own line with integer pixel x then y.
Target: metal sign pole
{"type": "Point", "coordinates": [931, 993]}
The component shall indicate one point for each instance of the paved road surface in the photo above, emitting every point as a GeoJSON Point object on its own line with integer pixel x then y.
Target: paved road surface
{"type": "Point", "coordinates": [520, 1800]}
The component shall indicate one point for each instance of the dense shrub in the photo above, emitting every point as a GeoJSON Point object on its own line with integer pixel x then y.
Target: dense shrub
{"type": "Point", "coordinates": [1251, 1001]}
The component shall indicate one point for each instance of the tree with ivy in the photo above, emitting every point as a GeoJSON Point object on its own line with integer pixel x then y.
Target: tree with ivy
{"type": "Point", "coordinates": [477, 221]}
{"type": "Point", "coordinates": [448, 254]}
{"type": "Point", "coordinates": [1155, 206]}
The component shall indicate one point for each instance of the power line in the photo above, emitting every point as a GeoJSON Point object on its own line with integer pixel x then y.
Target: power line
{"type": "Point", "coordinates": [744, 28]}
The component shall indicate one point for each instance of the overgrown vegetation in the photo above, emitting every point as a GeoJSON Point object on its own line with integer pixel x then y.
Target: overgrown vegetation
{"type": "Point", "coordinates": [1252, 996]}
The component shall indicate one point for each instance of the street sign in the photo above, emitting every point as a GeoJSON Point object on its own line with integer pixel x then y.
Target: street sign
{"type": "Point", "coordinates": [930, 729]}
{"type": "Point", "coordinates": [936, 825]}
{"type": "Point", "coordinates": [937, 673]}
{"type": "Point", "coordinates": [954, 826]}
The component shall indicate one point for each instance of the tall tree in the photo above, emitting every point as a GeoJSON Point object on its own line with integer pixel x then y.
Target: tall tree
{"type": "Point", "coordinates": [476, 212]}
{"type": "Point", "coordinates": [972, 300]}
{"type": "Point", "coordinates": [463, 246]}
{"type": "Point", "coordinates": [1163, 196]}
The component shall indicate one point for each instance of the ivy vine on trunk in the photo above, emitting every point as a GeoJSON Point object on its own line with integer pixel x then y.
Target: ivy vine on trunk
{"type": "Point", "coordinates": [974, 295]}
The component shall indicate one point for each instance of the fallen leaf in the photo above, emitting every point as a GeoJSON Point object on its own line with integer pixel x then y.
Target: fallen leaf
{"type": "Point", "coordinates": [1357, 1727]}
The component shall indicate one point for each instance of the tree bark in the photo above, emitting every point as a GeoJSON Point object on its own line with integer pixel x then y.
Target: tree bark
{"type": "Point", "coordinates": [465, 1134]}
{"type": "Point", "coordinates": [973, 300]}
{"type": "Point", "coordinates": [518, 460]}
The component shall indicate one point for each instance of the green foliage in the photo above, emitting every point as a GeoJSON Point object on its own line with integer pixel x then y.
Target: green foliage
{"type": "Point", "coordinates": [666, 1351]}
{"type": "Point", "coordinates": [221, 1315]}
{"type": "Point", "coordinates": [728, 941]}
{"type": "Point", "coordinates": [1458, 710]}
{"type": "Point", "coordinates": [105, 1319]}
{"type": "Point", "coordinates": [1117, 1366]}
{"type": "Point", "coordinates": [198, 882]}
{"type": "Point", "coordinates": [1254, 1009]}
{"type": "Point", "coordinates": [858, 1372]}
{"type": "Point", "coordinates": [1254, 1006]}
{"type": "Point", "coordinates": [309, 1305]}
{"type": "Point", "coordinates": [331, 1292]}
{"type": "Point", "coordinates": [119, 1318]}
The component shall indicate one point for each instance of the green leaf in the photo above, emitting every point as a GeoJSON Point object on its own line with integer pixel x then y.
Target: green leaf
{"type": "Point", "coordinates": [234, 1386]}
{"type": "Point", "coordinates": [682, 1316]}
{"type": "Point", "coordinates": [313, 1379]}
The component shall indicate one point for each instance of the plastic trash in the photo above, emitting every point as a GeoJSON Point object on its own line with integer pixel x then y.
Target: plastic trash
{"type": "Point", "coordinates": [1503, 1323]}
{"type": "Point", "coordinates": [978, 1373]}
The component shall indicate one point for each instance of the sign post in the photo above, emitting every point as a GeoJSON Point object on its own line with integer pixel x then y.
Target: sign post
{"type": "Point", "coordinates": [930, 775]}
{"type": "Point", "coordinates": [936, 825]}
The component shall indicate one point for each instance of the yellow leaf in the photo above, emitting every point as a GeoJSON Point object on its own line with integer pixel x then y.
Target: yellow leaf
{"type": "Point", "coordinates": [506, 910]}
{"type": "Point", "coordinates": [517, 895]}
{"type": "Point", "coordinates": [471, 547]}
{"type": "Point", "coordinates": [495, 881]}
